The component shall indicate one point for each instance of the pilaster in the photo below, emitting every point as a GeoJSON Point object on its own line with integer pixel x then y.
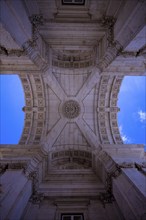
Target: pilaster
{"type": "Point", "coordinates": [16, 191]}
{"type": "Point", "coordinates": [128, 182]}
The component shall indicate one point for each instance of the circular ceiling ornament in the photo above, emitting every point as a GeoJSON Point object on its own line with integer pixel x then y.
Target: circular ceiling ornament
{"type": "Point", "coordinates": [71, 109]}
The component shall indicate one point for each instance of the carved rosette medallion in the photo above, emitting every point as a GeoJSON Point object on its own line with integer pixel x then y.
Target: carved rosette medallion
{"type": "Point", "coordinates": [71, 109]}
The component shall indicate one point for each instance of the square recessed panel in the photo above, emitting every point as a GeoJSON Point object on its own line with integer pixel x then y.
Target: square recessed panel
{"type": "Point", "coordinates": [73, 2]}
{"type": "Point", "coordinates": [72, 217]}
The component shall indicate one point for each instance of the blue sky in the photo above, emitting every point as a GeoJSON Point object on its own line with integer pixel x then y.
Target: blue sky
{"type": "Point", "coordinates": [131, 101]}
{"type": "Point", "coordinates": [132, 104]}
{"type": "Point", "coordinates": [11, 114]}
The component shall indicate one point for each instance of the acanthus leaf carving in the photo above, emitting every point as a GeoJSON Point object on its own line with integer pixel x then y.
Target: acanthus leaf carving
{"type": "Point", "coordinates": [37, 198]}
{"type": "Point", "coordinates": [37, 19]}
{"type": "Point", "coordinates": [106, 198]}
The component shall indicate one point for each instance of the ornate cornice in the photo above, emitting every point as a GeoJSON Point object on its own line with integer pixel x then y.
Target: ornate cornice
{"type": "Point", "coordinates": [141, 167]}
{"type": "Point", "coordinates": [112, 170]}
{"type": "Point", "coordinates": [113, 50]}
{"type": "Point", "coordinates": [31, 46]}
{"type": "Point", "coordinates": [113, 47]}
{"type": "Point", "coordinates": [140, 52]}
{"type": "Point", "coordinates": [8, 52]}
{"type": "Point", "coordinates": [126, 165]}
{"type": "Point", "coordinates": [13, 166]}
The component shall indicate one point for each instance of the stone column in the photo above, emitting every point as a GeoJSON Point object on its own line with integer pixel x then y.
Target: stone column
{"type": "Point", "coordinates": [16, 191]}
{"type": "Point", "coordinates": [129, 190]}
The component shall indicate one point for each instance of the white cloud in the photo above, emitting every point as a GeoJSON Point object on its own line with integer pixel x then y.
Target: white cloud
{"type": "Point", "coordinates": [124, 137]}
{"type": "Point", "coordinates": [142, 116]}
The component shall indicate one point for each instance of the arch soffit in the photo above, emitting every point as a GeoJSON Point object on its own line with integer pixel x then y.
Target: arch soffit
{"type": "Point", "coordinates": [107, 109]}
{"type": "Point", "coordinates": [36, 104]}
{"type": "Point", "coordinates": [35, 109]}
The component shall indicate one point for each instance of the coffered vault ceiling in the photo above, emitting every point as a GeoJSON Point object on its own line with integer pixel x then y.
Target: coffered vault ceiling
{"type": "Point", "coordinates": [71, 61]}
{"type": "Point", "coordinates": [71, 107]}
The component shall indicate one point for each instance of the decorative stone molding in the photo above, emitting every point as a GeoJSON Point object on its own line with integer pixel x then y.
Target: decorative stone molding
{"type": "Point", "coordinates": [34, 177]}
{"type": "Point", "coordinates": [36, 198]}
{"type": "Point", "coordinates": [110, 54]}
{"type": "Point", "coordinates": [73, 59]}
{"type": "Point", "coordinates": [71, 109]}
{"type": "Point", "coordinates": [141, 167]}
{"type": "Point", "coordinates": [107, 109]}
{"type": "Point", "coordinates": [141, 52]}
{"type": "Point", "coordinates": [115, 173]}
{"type": "Point", "coordinates": [71, 159]}
{"type": "Point", "coordinates": [110, 47]}
{"type": "Point", "coordinates": [113, 113]}
{"type": "Point", "coordinates": [37, 19]}
{"type": "Point", "coordinates": [13, 166]}
{"type": "Point", "coordinates": [126, 165]}
{"type": "Point", "coordinates": [35, 107]}
{"type": "Point", "coordinates": [5, 51]}
{"type": "Point", "coordinates": [111, 169]}
{"type": "Point", "coordinates": [35, 47]}
{"type": "Point", "coordinates": [108, 22]}
{"type": "Point", "coordinates": [3, 168]}
{"type": "Point", "coordinates": [74, 64]}
{"type": "Point", "coordinates": [34, 163]}
{"type": "Point", "coordinates": [102, 108]}
{"type": "Point", "coordinates": [35, 54]}
{"type": "Point", "coordinates": [106, 198]}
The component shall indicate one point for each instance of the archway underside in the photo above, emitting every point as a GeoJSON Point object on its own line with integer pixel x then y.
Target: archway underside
{"type": "Point", "coordinates": [71, 107]}
{"type": "Point", "coordinates": [71, 60]}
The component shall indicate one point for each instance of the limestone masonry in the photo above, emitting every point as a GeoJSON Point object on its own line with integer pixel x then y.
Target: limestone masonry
{"type": "Point", "coordinates": [71, 57]}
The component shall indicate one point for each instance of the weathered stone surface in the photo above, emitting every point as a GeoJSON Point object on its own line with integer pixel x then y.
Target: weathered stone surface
{"type": "Point", "coordinates": [71, 60]}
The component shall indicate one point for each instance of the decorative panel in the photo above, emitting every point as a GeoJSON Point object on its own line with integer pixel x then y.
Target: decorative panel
{"type": "Point", "coordinates": [35, 109]}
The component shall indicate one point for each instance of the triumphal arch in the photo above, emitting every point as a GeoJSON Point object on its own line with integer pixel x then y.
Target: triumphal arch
{"type": "Point", "coordinates": [71, 57]}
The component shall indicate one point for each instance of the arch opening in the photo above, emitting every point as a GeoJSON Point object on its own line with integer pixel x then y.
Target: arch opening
{"type": "Point", "coordinates": [132, 114]}
{"type": "Point", "coordinates": [11, 104]}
